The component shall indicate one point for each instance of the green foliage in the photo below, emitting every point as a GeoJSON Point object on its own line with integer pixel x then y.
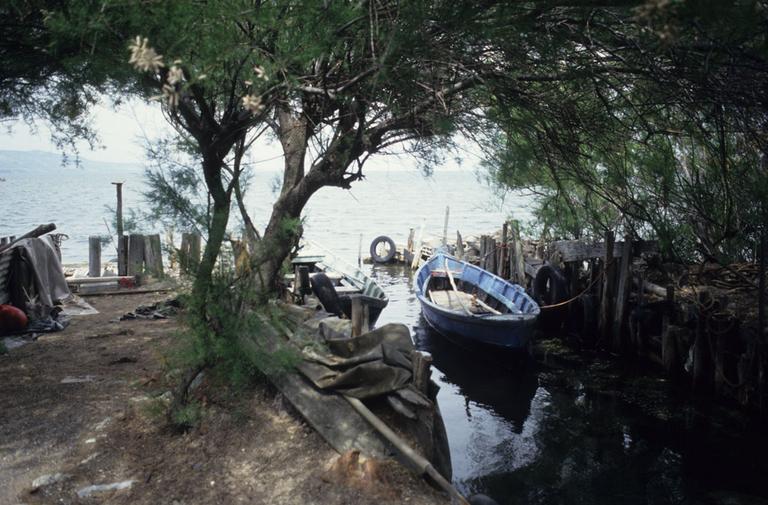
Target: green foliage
{"type": "Point", "coordinates": [226, 335]}
{"type": "Point", "coordinates": [188, 416]}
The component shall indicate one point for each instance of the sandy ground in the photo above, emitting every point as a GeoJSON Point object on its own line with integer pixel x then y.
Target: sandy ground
{"type": "Point", "coordinates": [79, 410]}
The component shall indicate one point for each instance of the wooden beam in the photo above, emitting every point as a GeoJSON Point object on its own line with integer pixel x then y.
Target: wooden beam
{"type": "Point", "coordinates": [578, 250]}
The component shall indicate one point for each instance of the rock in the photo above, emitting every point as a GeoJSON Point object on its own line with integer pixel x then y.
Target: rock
{"type": "Point", "coordinates": [47, 480]}
{"type": "Point", "coordinates": [100, 488]}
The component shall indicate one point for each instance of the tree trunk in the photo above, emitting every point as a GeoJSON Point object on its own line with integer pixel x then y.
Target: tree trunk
{"type": "Point", "coordinates": [218, 227]}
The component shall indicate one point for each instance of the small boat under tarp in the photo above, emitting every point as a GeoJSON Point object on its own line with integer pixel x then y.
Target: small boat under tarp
{"type": "Point", "coordinates": [465, 302]}
{"type": "Point", "coordinates": [346, 280]}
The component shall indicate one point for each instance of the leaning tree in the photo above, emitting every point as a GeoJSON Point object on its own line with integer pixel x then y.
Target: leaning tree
{"type": "Point", "coordinates": [334, 82]}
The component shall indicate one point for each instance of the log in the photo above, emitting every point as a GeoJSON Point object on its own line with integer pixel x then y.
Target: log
{"type": "Point", "coordinates": [622, 296]}
{"type": "Point", "coordinates": [37, 232]}
{"type": "Point", "coordinates": [607, 291]}
{"type": "Point", "coordinates": [153, 256]}
{"type": "Point", "coordinates": [94, 256]}
{"type": "Point", "coordinates": [135, 254]}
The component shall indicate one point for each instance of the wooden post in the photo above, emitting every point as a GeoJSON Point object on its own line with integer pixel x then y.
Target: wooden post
{"type": "Point", "coordinates": [445, 225]}
{"type": "Point", "coordinates": [358, 318]}
{"type": "Point", "coordinates": [417, 246]}
{"type": "Point", "coordinates": [122, 250]}
{"type": "Point", "coordinates": [702, 358]}
{"type": "Point", "coordinates": [94, 256]}
{"type": "Point", "coordinates": [491, 255]}
{"type": "Point", "coordinates": [189, 252]}
{"type": "Point", "coordinates": [459, 246]}
{"type": "Point", "coordinates": [409, 244]}
{"type": "Point", "coordinates": [622, 295]}
{"type": "Point", "coordinates": [360, 251]}
{"type": "Point", "coordinates": [668, 339]}
{"type": "Point", "coordinates": [3, 241]}
{"type": "Point", "coordinates": [305, 287]}
{"type": "Point", "coordinates": [501, 263]}
{"type": "Point", "coordinates": [606, 302]}
{"type": "Point", "coordinates": [422, 363]}
{"type": "Point", "coordinates": [762, 358]}
{"type": "Point", "coordinates": [12, 238]}
{"type": "Point", "coordinates": [153, 256]}
{"type": "Point", "coordinates": [483, 252]}
{"type": "Point", "coordinates": [135, 254]}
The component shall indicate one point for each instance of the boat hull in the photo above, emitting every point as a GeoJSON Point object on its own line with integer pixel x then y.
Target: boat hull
{"type": "Point", "coordinates": [512, 330]}
{"type": "Point", "coordinates": [464, 329]}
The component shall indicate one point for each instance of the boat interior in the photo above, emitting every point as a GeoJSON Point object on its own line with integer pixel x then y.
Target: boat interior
{"type": "Point", "coordinates": [454, 294]}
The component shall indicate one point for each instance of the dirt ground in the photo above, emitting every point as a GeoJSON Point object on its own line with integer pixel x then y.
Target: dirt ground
{"type": "Point", "coordinates": [79, 409]}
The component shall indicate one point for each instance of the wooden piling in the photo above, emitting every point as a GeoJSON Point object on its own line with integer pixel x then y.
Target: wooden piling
{"type": "Point", "coordinates": [702, 358]}
{"type": "Point", "coordinates": [135, 254]}
{"type": "Point", "coordinates": [607, 291]}
{"type": "Point", "coordinates": [189, 252]}
{"type": "Point", "coordinates": [153, 256]}
{"type": "Point", "coordinates": [669, 337]}
{"type": "Point", "coordinates": [516, 259]}
{"type": "Point", "coordinates": [122, 245]}
{"type": "Point", "coordinates": [409, 243]}
{"type": "Point", "coordinates": [445, 225]}
{"type": "Point", "coordinates": [422, 370]}
{"type": "Point", "coordinates": [94, 256]}
{"type": "Point", "coordinates": [622, 296]}
{"type": "Point", "coordinates": [501, 260]}
{"type": "Point", "coordinates": [459, 246]}
{"type": "Point", "coordinates": [360, 316]}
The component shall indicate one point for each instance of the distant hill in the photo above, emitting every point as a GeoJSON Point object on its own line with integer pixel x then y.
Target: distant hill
{"type": "Point", "coordinates": [42, 160]}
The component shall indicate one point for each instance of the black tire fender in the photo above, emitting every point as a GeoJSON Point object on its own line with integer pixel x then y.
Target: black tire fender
{"type": "Point", "coordinates": [390, 254]}
{"type": "Point", "coordinates": [550, 286]}
{"type": "Point", "coordinates": [323, 289]}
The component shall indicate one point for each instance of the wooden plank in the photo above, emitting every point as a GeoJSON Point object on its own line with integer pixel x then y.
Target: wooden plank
{"type": "Point", "coordinates": [99, 280]}
{"type": "Point", "coordinates": [94, 256]}
{"type": "Point", "coordinates": [578, 250]}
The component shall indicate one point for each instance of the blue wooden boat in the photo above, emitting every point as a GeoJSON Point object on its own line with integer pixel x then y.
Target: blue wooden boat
{"type": "Point", "coordinates": [465, 302]}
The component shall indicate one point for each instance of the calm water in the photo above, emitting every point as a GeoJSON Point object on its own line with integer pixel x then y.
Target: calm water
{"type": "Point", "coordinates": [519, 434]}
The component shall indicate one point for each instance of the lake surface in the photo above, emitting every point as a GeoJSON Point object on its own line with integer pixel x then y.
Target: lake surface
{"type": "Point", "coordinates": [522, 434]}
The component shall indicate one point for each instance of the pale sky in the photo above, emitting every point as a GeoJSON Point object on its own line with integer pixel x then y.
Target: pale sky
{"type": "Point", "coordinates": [121, 132]}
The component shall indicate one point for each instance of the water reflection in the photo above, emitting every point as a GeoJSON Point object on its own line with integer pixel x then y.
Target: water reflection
{"type": "Point", "coordinates": [552, 436]}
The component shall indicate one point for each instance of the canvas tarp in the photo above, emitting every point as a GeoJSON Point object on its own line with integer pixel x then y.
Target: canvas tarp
{"type": "Point", "coordinates": [375, 363]}
{"type": "Point", "coordinates": [36, 274]}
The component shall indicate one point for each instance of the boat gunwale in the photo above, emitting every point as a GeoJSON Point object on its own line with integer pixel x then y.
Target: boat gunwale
{"type": "Point", "coordinates": [460, 315]}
